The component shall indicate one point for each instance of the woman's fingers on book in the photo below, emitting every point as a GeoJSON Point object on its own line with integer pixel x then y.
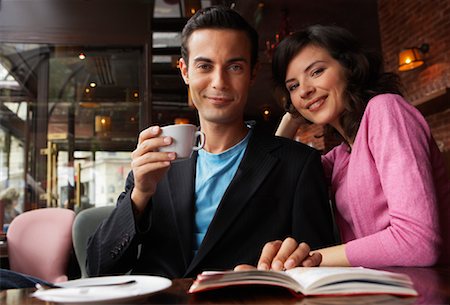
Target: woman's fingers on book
{"type": "Point", "coordinates": [287, 254]}
{"type": "Point", "coordinates": [268, 254]}
{"type": "Point", "coordinates": [281, 255]}
{"type": "Point", "coordinates": [313, 260]}
{"type": "Point", "coordinates": [290, 254]}
{"type": "Point", "coordinates": [301, 256]}
{"type": "Point", "coordinates": [244, 267]}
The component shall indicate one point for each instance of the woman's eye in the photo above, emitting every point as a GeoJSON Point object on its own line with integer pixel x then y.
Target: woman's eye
{"type": "Point", "coordinates": [317, 72]}
{"type": "Point", "coordinates": [292, 87]}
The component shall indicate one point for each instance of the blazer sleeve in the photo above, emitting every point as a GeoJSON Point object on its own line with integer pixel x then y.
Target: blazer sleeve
{"type": "Point", "coordinates": [312, 217]}
{"type": "Point", "coordinates": [113, 248]}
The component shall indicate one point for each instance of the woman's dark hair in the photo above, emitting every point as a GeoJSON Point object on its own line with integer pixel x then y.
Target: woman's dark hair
{"type": "Point", "coordinates": [219, 17]}
{"type": "Point", "coordinates": [363, 70]}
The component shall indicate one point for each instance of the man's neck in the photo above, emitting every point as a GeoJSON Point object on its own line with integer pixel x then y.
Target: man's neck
{"type": "Point", "coordinates": [220, 137]}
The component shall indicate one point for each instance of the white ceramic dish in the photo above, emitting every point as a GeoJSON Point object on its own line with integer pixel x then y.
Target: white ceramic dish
{"type": "Point", "coordinates": [73, 293]}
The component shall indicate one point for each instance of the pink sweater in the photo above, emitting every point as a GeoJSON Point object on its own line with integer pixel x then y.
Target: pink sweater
{"type": "Point", "coordinates": [392, 193]}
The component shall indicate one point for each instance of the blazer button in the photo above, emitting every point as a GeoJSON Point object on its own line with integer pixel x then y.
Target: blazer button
{"type": "Point", "coordinates": [113, 254]}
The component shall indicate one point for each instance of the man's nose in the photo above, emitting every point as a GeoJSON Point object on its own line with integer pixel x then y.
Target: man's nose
{"type": "Point", "coordinates": [219, 79]}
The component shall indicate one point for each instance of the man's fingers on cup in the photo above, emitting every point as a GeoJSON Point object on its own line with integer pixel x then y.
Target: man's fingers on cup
{"type": "Point", "coordinates": [150, 167]}
{"type": "Point", "coordinates": [152, 157]}
{"type": "Point", "coordinates": [269, 251]}
{"type": "Point", "coordinates": [148, 133]}
{"type": "Point", "coordinates": [298, 256]}
{"type": "Point", "coordinates": [150, 145]}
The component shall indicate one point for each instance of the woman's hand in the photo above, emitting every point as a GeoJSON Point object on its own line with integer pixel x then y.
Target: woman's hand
{"type": "Point", "coordinates": [289, 125]}
{"type": "Point", "coordinates": [281, 255]}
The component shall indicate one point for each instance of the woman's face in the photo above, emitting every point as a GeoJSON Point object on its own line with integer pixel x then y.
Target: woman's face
{"type": "Point", "coordinates": [316, 83]}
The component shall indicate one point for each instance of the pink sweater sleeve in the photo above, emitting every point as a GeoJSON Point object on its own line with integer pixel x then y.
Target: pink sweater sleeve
{"type": "Point", "coordinates": [398, 140]}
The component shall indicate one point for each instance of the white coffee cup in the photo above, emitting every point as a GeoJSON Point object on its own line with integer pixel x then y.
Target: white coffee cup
{"type": "Point", "coordinates": [184, 139]}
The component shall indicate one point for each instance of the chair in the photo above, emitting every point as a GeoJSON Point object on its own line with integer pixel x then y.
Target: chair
{"type": "Point", "coordinates": [85, 224]}
{"type": "Point", "coordinates": [40, 243]}
{"type": "Point", "coordinates": [2, 215]}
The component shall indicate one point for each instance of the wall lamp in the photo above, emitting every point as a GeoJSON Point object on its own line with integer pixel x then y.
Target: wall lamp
{"type": "Point", "coordinates": [411, 58]}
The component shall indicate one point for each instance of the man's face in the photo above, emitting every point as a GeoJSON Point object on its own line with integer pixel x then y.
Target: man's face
{"type": "Point", "coordinates": [218, 74]}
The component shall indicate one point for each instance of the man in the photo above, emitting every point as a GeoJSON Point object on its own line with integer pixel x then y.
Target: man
{"type": "Point", "coordinates": [217, 209]}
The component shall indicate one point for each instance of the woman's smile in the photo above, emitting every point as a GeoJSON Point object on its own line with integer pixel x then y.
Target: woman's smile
{"type": "Point", "coordinates": [316, 104]}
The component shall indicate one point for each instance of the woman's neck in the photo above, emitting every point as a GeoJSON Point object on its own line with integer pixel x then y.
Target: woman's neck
{"type": "Point", "coordinates": [340, 130]}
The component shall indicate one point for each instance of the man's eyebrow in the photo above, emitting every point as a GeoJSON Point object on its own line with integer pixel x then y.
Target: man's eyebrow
{"type": "Point", "coordinates": [234, 59]}
{"type": "Point", "coordinates": [199, 59]}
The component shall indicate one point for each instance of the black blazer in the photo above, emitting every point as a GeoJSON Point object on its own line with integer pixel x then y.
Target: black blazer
{"type": "Point", "coordinates": [278, 191]}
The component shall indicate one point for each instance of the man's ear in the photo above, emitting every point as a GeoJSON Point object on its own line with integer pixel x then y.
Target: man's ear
{"type": "Point", "coordinates": [254, 73]}
{"type": "Point", "coordinates": [184, 70]}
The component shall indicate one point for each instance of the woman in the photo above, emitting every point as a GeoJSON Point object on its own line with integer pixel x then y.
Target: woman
{"type": "Point", "coordinates": [387, 178]}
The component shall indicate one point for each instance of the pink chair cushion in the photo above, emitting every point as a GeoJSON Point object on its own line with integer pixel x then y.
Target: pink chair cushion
{"type": "Point", "coordinates": [40, 243]}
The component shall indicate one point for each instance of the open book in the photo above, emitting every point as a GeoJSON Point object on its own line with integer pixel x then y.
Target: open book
{"type": "Point", "coordinates": [313, 281]}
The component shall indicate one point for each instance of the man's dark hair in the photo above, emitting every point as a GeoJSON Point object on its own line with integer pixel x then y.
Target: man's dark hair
{"type": "Point", "coordinates": [219, 17]}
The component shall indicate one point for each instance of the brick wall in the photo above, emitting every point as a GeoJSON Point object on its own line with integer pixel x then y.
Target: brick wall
{"type": "Point", "coordinates": [440, 127]}
{"type": "Point", "coordinates": [318, 137]}
{"type": "Point", "coordinates": [411, 23]}
{"type": "Point", "coordinates": [311, 134]}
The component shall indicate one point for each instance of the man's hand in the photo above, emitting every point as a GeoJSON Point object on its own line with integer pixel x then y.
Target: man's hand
{"type": "Point", "coordinates": [149, 165]}
{"type": "Point", "coordinates": [281, 255]}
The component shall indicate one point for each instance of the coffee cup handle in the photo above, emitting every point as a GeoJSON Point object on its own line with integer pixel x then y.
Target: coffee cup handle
{"type": "Point", "coordinates": [200, 145]}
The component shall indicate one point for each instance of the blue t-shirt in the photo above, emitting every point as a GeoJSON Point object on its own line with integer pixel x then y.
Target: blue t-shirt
{"type": "Point", "coordinates": [214, 174]}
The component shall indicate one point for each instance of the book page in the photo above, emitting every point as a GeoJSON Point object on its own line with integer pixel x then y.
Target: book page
{"type": "Point", "coordinates": [314, 277]}
{"type": "Point", "coordinates": [313, 280]}
{"type": "Point", "coordinates": [308, 276]}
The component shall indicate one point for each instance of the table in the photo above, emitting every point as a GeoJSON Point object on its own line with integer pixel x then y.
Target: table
{"type": "Point", "coordinates": [433, 285]}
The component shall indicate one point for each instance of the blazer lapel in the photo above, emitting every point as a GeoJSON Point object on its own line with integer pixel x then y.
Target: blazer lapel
{"type": "Point", "coordinates": [255, 166]}
{"type": "Point", "coordinates": [181, 178]}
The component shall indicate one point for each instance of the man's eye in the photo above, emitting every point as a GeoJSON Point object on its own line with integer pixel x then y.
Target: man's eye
{"type": "Point", "coordinates": [203, 66]}
{"type": "Point", "coordinates": [235, 68]}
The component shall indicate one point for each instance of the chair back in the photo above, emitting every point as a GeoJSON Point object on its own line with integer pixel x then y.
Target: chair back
{"type": "Point", "coordinates": [85, 224]}
{"type": "Point", "coordinates": [40, 243]}
{"type": "Point", "coordinates": [2, 214]}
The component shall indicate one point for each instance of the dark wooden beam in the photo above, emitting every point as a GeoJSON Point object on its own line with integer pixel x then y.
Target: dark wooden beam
{"type": "Point", "coordinates": [434, 103]}
{"type": "Point", "coordinates": [168, 24]}
{"type": "Point", "coordinates": [15, 125]}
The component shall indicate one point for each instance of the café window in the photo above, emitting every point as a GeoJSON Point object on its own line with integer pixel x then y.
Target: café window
{"type": "Point", "coordinates": [75, 107]}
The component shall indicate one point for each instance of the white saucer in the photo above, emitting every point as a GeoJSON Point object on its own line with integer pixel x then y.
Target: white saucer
{"type": "Point", "coordinates": [73, 293]}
